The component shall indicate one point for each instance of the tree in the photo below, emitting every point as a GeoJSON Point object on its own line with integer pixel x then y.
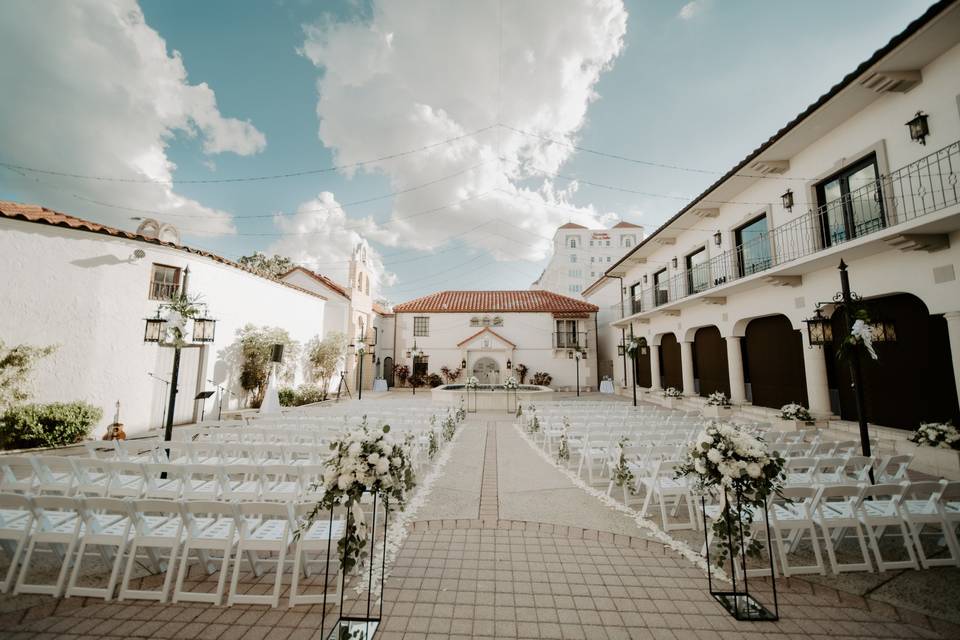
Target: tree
{"type": "Point", "coordinates": [402, 372]}
{"type": "Point", "coordinates": [271, 267]}
{"type": "Point", "coordinates": [323, 357]}
{"type": "Point", "coordinates": [16, 367]}
{"type": "Point", "coordinates": [256, 347]}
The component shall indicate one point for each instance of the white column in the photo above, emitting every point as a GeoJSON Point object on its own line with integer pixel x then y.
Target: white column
{"type": "Point", "coordinates": [815, 371]}
{"type": "Point", "coordinates": [738, 390]}
{"type": "Point", "coordinates": [686, 368]}
{"type": "Point", "coordinates": [655, 367]}
{"type": "Point", "coordinates": [953, 331]}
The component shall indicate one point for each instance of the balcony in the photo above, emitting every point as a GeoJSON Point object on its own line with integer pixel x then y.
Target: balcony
{"type": "Point", "coordinates": [570, 339]}
{"type": "Point", "coordinates": [920, 188]}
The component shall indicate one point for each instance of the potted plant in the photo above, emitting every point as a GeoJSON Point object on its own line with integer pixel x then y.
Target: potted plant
{"type": "Point", "coordinates": [718, 405]}
{"type": "Point", "coordinates": [402, 372]}
{"type": "Point", "coordinates": [522, 371]}
{"type": "Point", "coordinates": [794, 416]}
{"type": "Point", "coordinates": [937, 447]}
{"type": "Point", "coordinates": [671, 397]}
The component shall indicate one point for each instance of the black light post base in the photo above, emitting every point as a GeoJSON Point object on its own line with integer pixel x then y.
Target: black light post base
{"type": "Point", "coordinates": [354, 629]}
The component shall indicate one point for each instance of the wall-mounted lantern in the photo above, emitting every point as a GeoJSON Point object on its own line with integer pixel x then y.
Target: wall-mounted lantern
{"type": "Point", "coordinates": [509, 364]}
{"type": "Point", "coordinates": [155, 330]}
{"type": "Point", "coordinates": [717, 238]}
{"type": "Point", "coordinates": [203, 329]}
{"type": "Point", "coordinates": [463, 363]}
{"type": "Point", "coordinates": [819, 330]}
{"type": "Point", "coordinates": [787, 199]}
{"type": "Point", "coordinates": [674, 261]}
{"type": "Point", "coordinates": [919, 129]}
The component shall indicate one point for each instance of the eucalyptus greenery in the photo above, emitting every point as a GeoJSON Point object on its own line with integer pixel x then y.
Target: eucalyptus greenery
{"type": "Point", "coordinates": [622, 475]}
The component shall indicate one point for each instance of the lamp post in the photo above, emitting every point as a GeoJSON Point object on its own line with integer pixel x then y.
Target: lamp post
{"type": "Point", "coordinates": [576, 354]}
{"type": "Point", "coordinates": [178, 313]}
{"type": "Point", "coordinates": [820, 333]}
{"type": "Point", "coordinates": [413, 354]}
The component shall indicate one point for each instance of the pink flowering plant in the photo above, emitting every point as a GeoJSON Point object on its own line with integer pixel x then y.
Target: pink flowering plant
{"type": "Point", "coordinates": [729, 461]}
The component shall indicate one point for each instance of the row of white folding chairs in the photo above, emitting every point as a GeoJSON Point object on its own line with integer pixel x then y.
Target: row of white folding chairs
{"type": "Point", "coordinates": [207, 452]}
{"type": "Point", "coordinates": [168, 535]}
{"type": "Point", "coordinates": [846, 469]}
{"type": "Point", "coordinates": [95, 477]}
{"type": "Point", "coordinates": [831, 513]}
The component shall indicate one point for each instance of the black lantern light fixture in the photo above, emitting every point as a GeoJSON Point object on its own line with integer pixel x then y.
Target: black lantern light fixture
{"type": "Point", "coordinates": [919, 129]}
{"type": "Point", "coordinates": [643, 346]}
{"type": "Point", "coordinates": [644, 278]}
{"type": "Point", "coordinates": [674, 261]}
{"type": "Point", "coordinates": [787, 199]}
{"type": "Point", "coordinates": [819, 329]}
{"type": "Point", "coordinates": [509, 364]}
{"type": "Point", "coordinates": [155, 329]}
{"type": "Point", "coordinates": [621, 349]}
{"type": "Point", "coordinates": [463, 363]}
{"type": "Point", "coordinates": [717, 238]}
{"type": "Point", "coordinates": [883, 330]}
{"type": "Point", "coordinates": [204, 329]}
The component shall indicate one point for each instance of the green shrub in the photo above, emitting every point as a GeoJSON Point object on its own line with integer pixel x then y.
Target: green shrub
{"type": "Point", "coordinates": [434, 380]}
{"type": "Point", "coordinates": [47, 425]}
{"type": "Point", "coordinates": [308, 394]}
{"type": "Point", "coordinates": [287, 397]}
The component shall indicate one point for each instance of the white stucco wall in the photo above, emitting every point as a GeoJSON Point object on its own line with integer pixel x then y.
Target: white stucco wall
{"type": "Point", "coordinates": [532, 333]}
{"type": "Point", "coordinates": [83, 291]}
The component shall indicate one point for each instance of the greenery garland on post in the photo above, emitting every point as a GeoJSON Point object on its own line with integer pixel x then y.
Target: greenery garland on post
{"type": "Point", "coordinates": [563, 451]}
{"type": "Point", "coordinates": [622, 475]}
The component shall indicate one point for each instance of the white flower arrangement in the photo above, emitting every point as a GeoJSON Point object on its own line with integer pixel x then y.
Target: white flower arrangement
{"type": "Point", "coordinates": [862, 333]}
{"type": "Point", "coordinates": [622, 475]}
{"type": "Point", "coordinates": [461, 414]}
{"type": "Point", "coordinates": [472, 382]}
{"type": "Point", "coordinates": [363, 460]}
{"type": "Point", "coordinates": [936, 434]}
{"type": "Point", "coordinates": [533, 423]}
{"type": "Point", "coordinates": [563, 451]}
{"type": "Point", "coordinates": [794, 411]}
{"type": "Point", "coordinates": [731, 460]}
{"type": "Point", "coordinates": [511, 383]}
{"type": "Point", "coordinates": [672, 392]}
{"type": "Point", "coordinates": [449, 428]}
{"type": "Point", "coordinates": [433, 444]}
{"type": "Point", "coordinates": [718, 399]}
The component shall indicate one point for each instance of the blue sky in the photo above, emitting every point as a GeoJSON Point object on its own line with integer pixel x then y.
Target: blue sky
{"type": "Point", "coordinates": [697, 87]}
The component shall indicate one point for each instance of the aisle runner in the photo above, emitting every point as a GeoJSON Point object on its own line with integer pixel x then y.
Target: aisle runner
{"type": "Point", "coordinates": [398, 525]}
{"type": "Point", "coordinates": [489, 497]}
{"type": "Point", "coordinates": [651, 528]}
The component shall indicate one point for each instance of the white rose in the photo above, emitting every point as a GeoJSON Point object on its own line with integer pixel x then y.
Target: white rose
{"type": "Point", "coordinates": [699, 466]}
{"type": "Point", "coordinates": [396, 461]}
{"type": "Point", "coordinates": [383, 466]}
{"type": "Point", "coordinates": [373, 459]}
{"type": "Point", "coordinates": [754, 470]}
{"type": "Point", "coordinates": [354, 449]}
{"type": "Point", "coordinates": [386, 448]}
{"type": "Point", "coordinates": [329, 476]}
{"type": "Point", "coordinates": [344, 481]}
{"type": "Point", "coordinates": [714, 456]}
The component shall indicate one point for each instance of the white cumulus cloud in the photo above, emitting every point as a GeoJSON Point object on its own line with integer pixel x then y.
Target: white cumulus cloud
{"type": "Point", "coordinates": [319, 236]}
{"type": "Point", "coordinates": [420, 72]}
{"type": "Point", "coordinates": [690, 10]}
{"type": "Point", "coordinates": [90, 88]}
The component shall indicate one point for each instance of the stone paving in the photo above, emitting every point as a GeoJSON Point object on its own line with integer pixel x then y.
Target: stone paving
{"type": "Point", "coordinates": [508, 557]}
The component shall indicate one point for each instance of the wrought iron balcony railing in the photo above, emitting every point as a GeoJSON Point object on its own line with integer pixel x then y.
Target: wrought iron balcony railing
{"type": "Point", "coordinates": [925, 186]}
{"type": "Point", "coordinates": [570, 340]}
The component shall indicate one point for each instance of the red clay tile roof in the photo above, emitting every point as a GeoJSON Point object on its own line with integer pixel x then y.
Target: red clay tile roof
{"type": "Point", "coordinates": [482, 331]}
{"type": "Point", "coordinates": [382, 310]}
{"type": "Point", "coordinates": [322, 279]}
{"type": "Point", "coordinates": [42, 215]}
{"type": "Point", "coordinates": [526, 301]}
{"type": "Point", "coordinates": [572, 225]}
{"type": "Point", "coordinates": [623, 224]}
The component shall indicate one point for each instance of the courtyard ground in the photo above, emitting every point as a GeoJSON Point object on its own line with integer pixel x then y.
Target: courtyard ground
{"type": "Point", "coordinates": [506, 546]}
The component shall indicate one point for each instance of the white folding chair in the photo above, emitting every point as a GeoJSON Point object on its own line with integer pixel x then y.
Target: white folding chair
{"type": "Point", "coordinates": [790, 520]}
{"type": "Point", "coordinates": [894, 468]}
{"type": "Point", "coordinates": [162, 481]}
{"type": "Point", "coordinates": [16, 475]}
{"type": "Point", "coordinates": [264, 527]}
{"type": "Point", "coordinates": [319, 537]}
{"type": "Point", "coordinates": [922, 506]}
{"type": "Point", "coordinates": [800, 471]}
{"type": "Point", "coordinates": [54, 474]}
{"type": "Point", "coordinates": [666, 488]}
{"type": "Point", "coordinates": [283, 483]}
{"type": "Point", "coordinates": [879, 511]}
{"type": "Point", "coordinates": [126, 480]}
{"type": "Point", "coordinates": [57, 523]}
{"type": "Point", "coordinates": [201, 482]}
{"type": "Point", "coordinates": [157, 526]}
{"type": "Point", "coordinates": [211, 527]}
{"type": "Point", "coordinates": [241, 482]}
{"type": "Point", "coordinates": [93, 476]}
{"type": "Point", "coordinates": [107, 524]}
{"type": "Point", "coordinates": [16, 522]}
{"type": "Point", "coordinates": [835, 511]}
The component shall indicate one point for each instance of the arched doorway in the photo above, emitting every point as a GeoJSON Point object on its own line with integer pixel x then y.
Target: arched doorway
{"type": "Point", "coordinates": [388, 370]}
{"type": "Point", "coordinates": [641, 365]}
{"type": "Point", "coordinates": [671, 374]}
{"type": "Point", "coordinates": [773, 362]}
{"type": "Point", "coordinates": [487, 371]}
{"type": "Point", "coordinates": [710, 361]}
{"type": "Point", "coordinates": [912, 379]}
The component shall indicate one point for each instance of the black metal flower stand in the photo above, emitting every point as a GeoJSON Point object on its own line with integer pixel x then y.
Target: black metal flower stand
{"type": "Point", "coordinates": [357, 627]}
{"type": "Point", "coordinates": [511, 401]}
{"type": "Point", "coordinates": [474, 405]}
{"type": "Point", "coordinates": [738, 602]}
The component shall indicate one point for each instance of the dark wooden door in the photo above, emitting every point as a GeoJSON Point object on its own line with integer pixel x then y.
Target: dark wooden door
{"type": "Point", "coordinates": [641, 367]}
{"type": "Point", "coordinates": [710, 356]}
{"type": "Point", "coordinates": [671, 374]}
{"type": "Point", "coordinates": [774, 352]}
{"type": "Point", "coordinates": [912, 379]}
{"type": "Point", "coordinates": [388, 370]}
